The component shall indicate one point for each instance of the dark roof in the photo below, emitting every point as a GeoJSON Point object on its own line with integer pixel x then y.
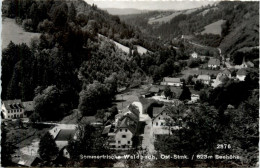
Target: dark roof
{"type": "Point", "coordinates": [28, 106]}
{"type": "Point", "coordinates": [226, 71]}
{"type": "Point", "coordinates": [106, 129]}
{"type": "Point", "coordinates": [157, 110]}
{"type": "Point", "coordinates": [242, 72]}
{"type": "Point", "coordinates": [65, 134]}
{"type": "Point", "coordinates": [213, 61]}
{"type": "Point", "coordinates": [129, 124]}
{"type": "Point", "coordinates": [26, 160]}
{"type": "Point", "coordinates": [174, 80]}
{"type": "Point", "coordinates": [13, 104]}
{"type": "Point", "coordinates": [154, 89]}
{"type": "Point", "coordinates": [134, 109]}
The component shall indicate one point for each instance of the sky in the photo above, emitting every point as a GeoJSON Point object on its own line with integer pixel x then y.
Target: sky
{"type": "Point", "coordinates": [149, 4]}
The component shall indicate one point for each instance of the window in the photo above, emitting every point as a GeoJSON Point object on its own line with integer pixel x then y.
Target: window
{"type": "Point", "coordinates": [159, 118]}
{"type": "Point", "coordinates": [128, 142]}
{"type": "Point", "coordinates": [123, 136]}
{"type": "Point", "coordinates": [161, 123]}
{"type": "Point", "coordinates": [120, 130]}
{"type": "Point", "coordinates": [119, 142]}
{"type": "Point", "coordinates": [125, 130]}
{"type": "Point", "coordinates": [156, 123]}
{"type": "Point", "coordinates": [123, 146]}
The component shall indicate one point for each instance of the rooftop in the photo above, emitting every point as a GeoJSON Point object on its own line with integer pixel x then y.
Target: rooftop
{"type": "Point", "coordinates": [13, 104]}
{"type": "Point", "coordinates": [242, 72]}
{"type": "Point", "coordinates": [65, 134]}
{"type": "Point", "coordinates": [214, 61]}
{"type": "Point", "coordinates": [174, 80]}
{"type": "Point", "coordinates": [28, 106]}
{"type": "Point", "coordinates": [157, 110]}
{"type": "Point", "coordinates": [203, 77]}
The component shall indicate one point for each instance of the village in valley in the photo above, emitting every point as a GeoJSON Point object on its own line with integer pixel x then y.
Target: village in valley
{"type": "Point", "coordinates": [190, 98]}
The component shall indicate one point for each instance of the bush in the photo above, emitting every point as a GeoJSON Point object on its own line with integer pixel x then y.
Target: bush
{"type": "Point", "coordinates": [27, 25]}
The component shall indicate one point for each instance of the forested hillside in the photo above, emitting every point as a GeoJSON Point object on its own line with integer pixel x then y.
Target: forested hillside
{"type": "Point", "coordinates": [240, 29]}
{"type": "Point", "coordinates": [71, 62]}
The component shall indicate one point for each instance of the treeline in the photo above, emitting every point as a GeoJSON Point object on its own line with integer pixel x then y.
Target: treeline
{"type": "Point", "coordinates": [35, 16]}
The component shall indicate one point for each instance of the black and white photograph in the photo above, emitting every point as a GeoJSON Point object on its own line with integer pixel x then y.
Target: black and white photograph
{"type": "Point", "coordinates": [129, 83]}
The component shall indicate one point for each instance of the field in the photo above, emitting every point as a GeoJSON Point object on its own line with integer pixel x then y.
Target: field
{"type": "Point", "coordinates": [168, 18]}
{"type": "Point", "coordinates": [164, 18]}
{"type": "Point", "coordinates": [15, 33]}
{"type": "Point", "coordinates": [214, 28]}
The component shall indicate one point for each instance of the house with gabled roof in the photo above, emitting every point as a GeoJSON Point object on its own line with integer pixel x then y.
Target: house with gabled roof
{"type": "Point", "coordinates": [120, 132]}
{"type": "Point", "coordinates": [171, 81]}
{"type": "Point", "coordinates": [194, 55]}
{"type": "Point", "coordinates": [225, 72]}
{"type": "Point", "coordinates": [124, 133]}
{"type": "Point", "coordinates": [12, 109]}
{"type": "Point", "coordinates": [204, 78]}
{"type": "Point", "coordinates": [214, 63]}
{"type": "Point", "coordinates": [159, 116]}
{"type": "Point", "coordinates": [241, 74]}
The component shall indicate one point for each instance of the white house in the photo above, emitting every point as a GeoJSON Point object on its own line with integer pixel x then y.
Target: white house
{"type": "Point", "coordinates": [213, 63]}
{"type": "Point", "coordinates": [12, 109]}
{"type": "Point", "coordinates": [241, 74]}
{"type": "Point", "coordinates": [120, 132]}
{"type": "Point", "coordinates": [195, 98]}
{"type": "Point", "coordinates": [225, 73]}
{"type": "Point", "coordinates": [204, 78]}
{"type": "Point", "coordinates": [194, 55]}
{"type": "Point", "coordinates": [123, 134]}
{"type": "Point", "coordinates": [159, 117]}
{"type": "Point", "coordinates": [171, 81]}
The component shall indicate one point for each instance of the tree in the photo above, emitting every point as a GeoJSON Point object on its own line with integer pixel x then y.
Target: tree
{"type": "Point", "coordinates": [101, 115]}
{"type": "Point", "coordinates": [48, 104]}
{"type": "Point", "coordinates": [6, 149]}
{"type": "Point", "coordinates": [185, 94]}
{"type": "Point", "coordinates": [72, 12]}
{"type": "Point", "coordinates": [198, 85]}
{"type": "Point", "coordinates": [203, 96]}
{"type": "Point", "coordinates": [48, 149]}
{"type": "Point", "coordinates": [167, 92]}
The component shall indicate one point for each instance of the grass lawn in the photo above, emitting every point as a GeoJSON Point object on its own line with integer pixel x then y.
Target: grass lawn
{"type": "Point", "coordinates": [214, 28]}
{"type": "Point", "coordinates": [15, 33]}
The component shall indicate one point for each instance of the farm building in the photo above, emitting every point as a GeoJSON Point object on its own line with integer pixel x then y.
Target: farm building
{"type": "Point", "coordinates": [171, 81]}
{"type": "Point", "coordinates": [213, 63]}
{"type": "Point", "coordinates": [204, 78]}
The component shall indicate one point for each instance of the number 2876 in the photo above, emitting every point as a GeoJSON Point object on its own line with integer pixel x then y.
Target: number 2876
{"type": "Point", "coordinates": [223, 146]}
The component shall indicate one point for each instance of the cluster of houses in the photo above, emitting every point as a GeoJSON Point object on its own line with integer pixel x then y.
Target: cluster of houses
{"type": "Point", "coordinates": [13, 109]}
